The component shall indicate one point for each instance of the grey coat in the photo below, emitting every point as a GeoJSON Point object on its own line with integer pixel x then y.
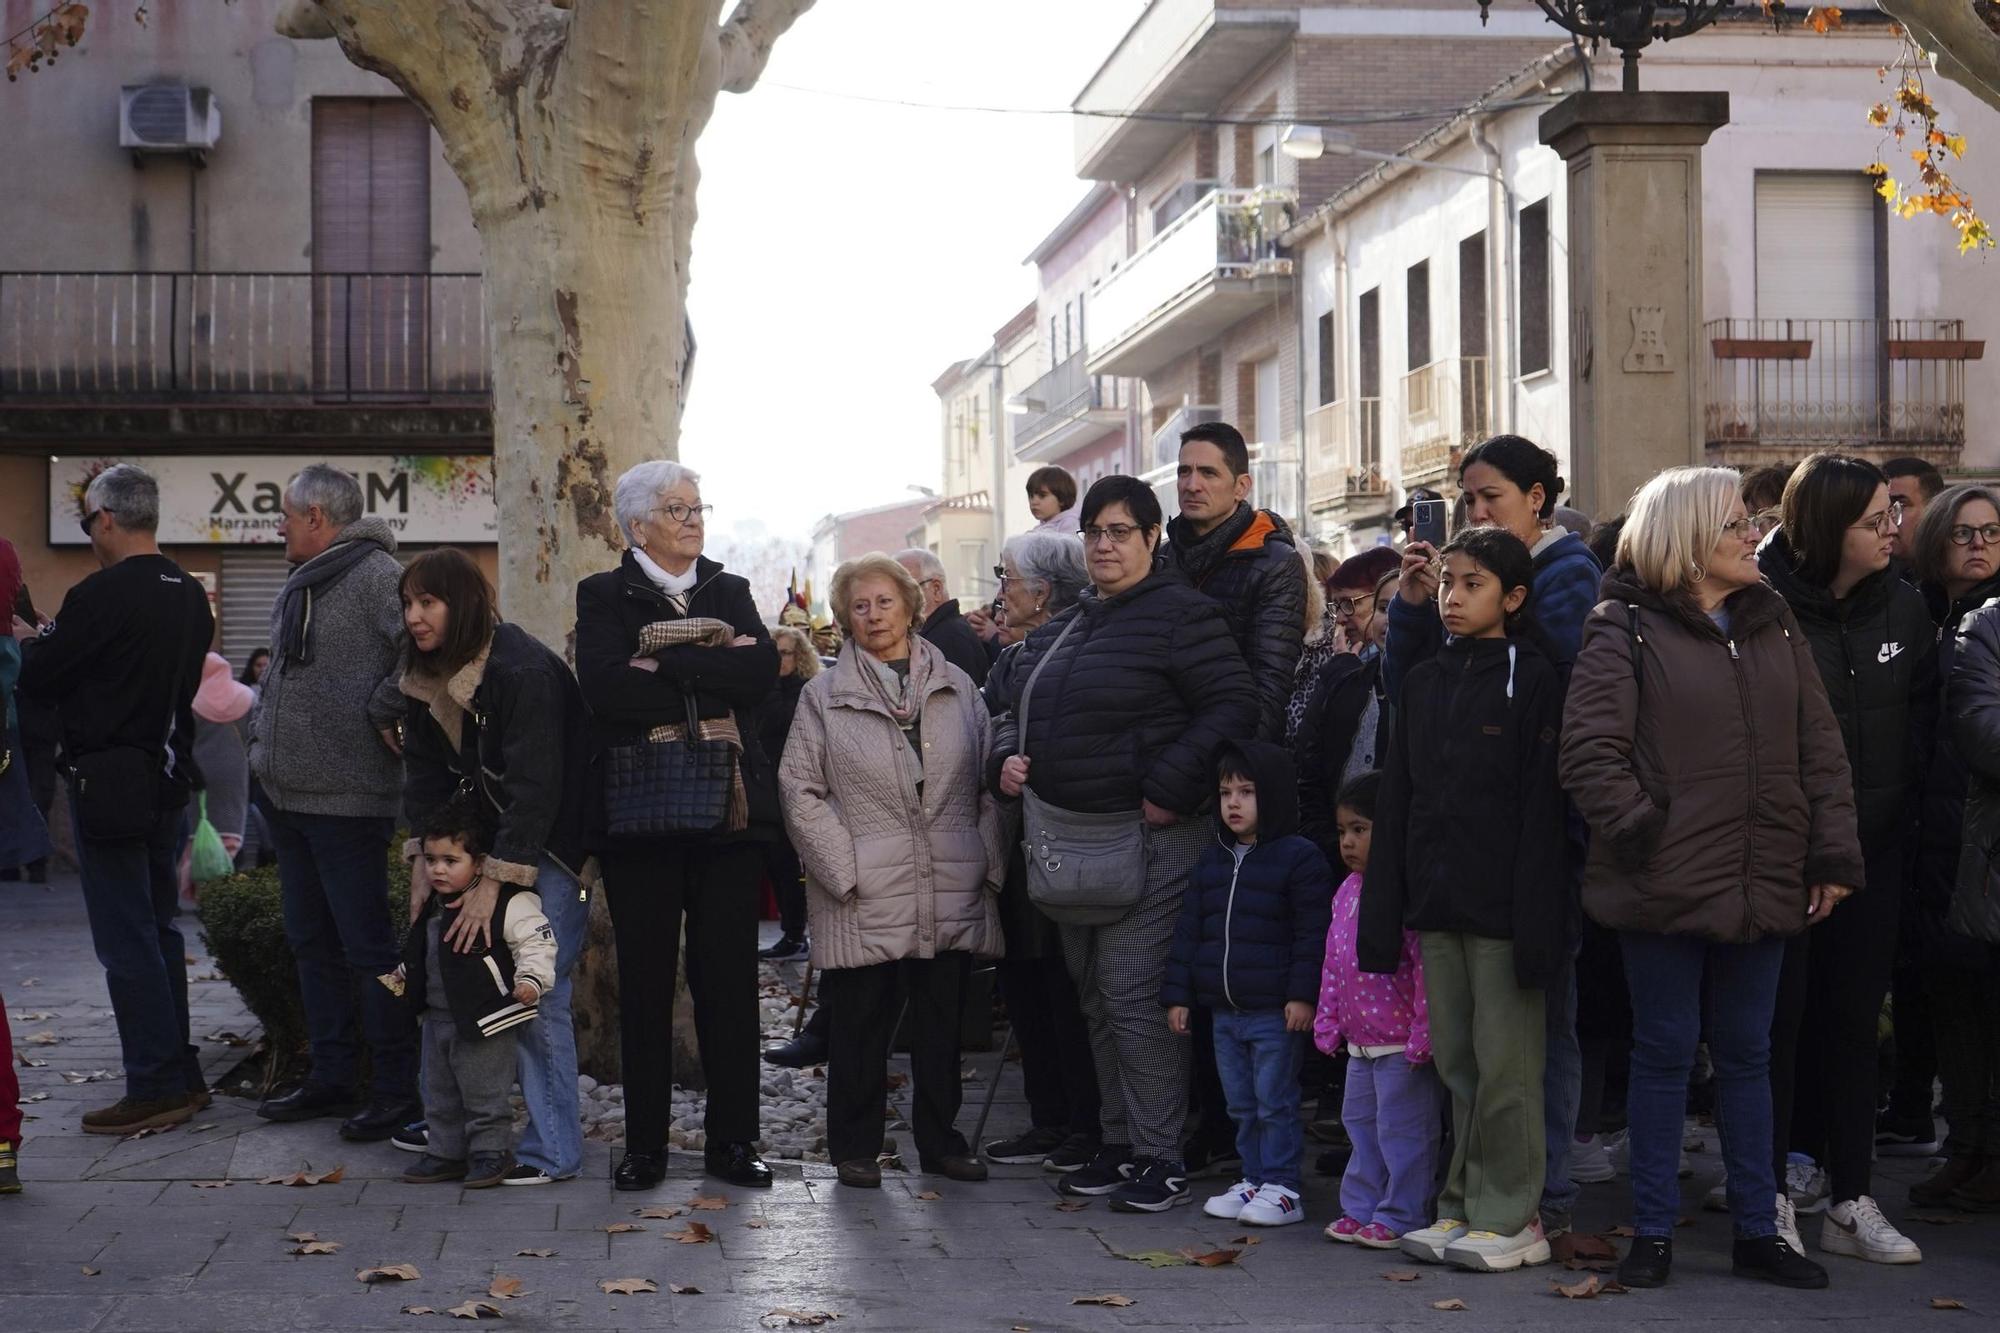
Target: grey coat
{"type": "Point", "coordinates": [316, 743]}
{"type": "Point", "coordinates": [1973, 701]}
{"type": "Point", "coordinates": [218, 753]}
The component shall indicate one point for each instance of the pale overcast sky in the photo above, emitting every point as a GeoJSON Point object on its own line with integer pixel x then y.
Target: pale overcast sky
{"type": "Point", "coordinates": [849, 250]}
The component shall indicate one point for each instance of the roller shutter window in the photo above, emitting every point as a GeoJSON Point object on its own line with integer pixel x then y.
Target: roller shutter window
{"type": "Point", "coordinates": [371, 247]}
{"type": "Point", "coordinates": [252, 578]}
{"type": "Point", "coordinates": [1816, 279]}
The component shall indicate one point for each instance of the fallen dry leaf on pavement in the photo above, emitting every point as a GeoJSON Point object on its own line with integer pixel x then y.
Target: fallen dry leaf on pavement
{"type": "Point", "coordinates": [1613, 1289]}
{"type": "Point", "coordinates": [1157, 1258]}
{"type": "Point", "coordinates": [302, 1236]}
{"type": "Point", "coordinates": [41, 1039]}
{"type": "Point", "coordinates": [534, 1254]}
{"type": "Point", "coordinates": [390, 1273]}
{"type": "Point", "coordinates": [36, 1017]}
{"type": "Point", "coordinates": [928, 1196]}
{"type": "Point", "coordinates": [797, 1318]}
{"type": "Point", "coordinates": [617, 1228]}
{"type": "Point", "coordinates": [1110, 1298]}
{"type": "Point", "coordinates": [303, 1177]}
{"type": "Point", "coordinates": [88, 1271]}
{"type": "Point", "coordinates": [476, 1310]}
{"type": "Point", "coordinates": [659, 1212]}
{"type": "Point", "coordinates": [317, 1247]}
{"type": "Point", "coordinates": [1946, 1303]}
{"type": "Point", "coordinates": [21, 1058]}
{"type": "Point", "coordinates": [149, 1131]}
{"type": "Point", "coordinates": [35, 1097]}
{"type": "Point", "coordinates": [709, 1203]}
{"type": "Point", "coordinates": [504, 1288]}
{"type": "Point", "coordinates": [81, 1076]}
{"type": "Point", "coordinates": [418, 1309]}
{"type": "Point", "coordinates": [1577, 1245]}
{"type": "Point", "coordinates": [1211, 1259]}
{"type": "Point", "coordinates": [756, 1224]}
{"type": "Point", "coordinates": [1453, 1304]}
{"type": "Point", "coordinates": [211, 1184]}
{"type": "Point", "coordinates": [627, 1286]}
{"type": "Point", "coordinates": [683, 1289]}
{"type": "Point", "coordinates": [697, 1233]}
{"type": "Point", "coordinates": [1576, 1291]}
{"type": "Point", "coordinates": [1400, 1275]}
{"type": "Point", "coordinates": [1072, 1205]}
{"type": "Point", "coordinates": [1246, 1240]}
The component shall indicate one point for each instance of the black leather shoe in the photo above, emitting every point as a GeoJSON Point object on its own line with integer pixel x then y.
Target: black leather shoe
{"type": "Point", "coordinates": [640, 1171]}
{"type": "Point", "coordinates": [808, 1048]}
{"type": "Point", "coordinates": [379, 1120]}
{"type": "Point", "coordinates": [738, 1164]}
{"type": "Point", "coordinates": [308, 1101]}
{"type": "Point", "coordinates": [1648, 1263]}
{"type": "Point", "coordinates": [961, 1166]}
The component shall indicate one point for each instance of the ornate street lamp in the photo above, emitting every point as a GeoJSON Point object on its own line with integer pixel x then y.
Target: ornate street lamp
{"type": "Point", "coordinates": [1629, 25]}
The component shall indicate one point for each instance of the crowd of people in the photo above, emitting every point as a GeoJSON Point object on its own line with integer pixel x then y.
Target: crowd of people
{"type": "Point", "coordinates": [1695, 790]}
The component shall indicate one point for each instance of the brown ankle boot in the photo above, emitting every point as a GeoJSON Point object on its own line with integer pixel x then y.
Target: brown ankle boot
{"type": "Point", "coordinates": [1981, 1194]}
{"type": "Point", "coordinates": [1935, 1192]}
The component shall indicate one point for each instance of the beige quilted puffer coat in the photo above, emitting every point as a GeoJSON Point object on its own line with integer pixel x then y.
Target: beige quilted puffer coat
{"type": "Point", "coordinates": [891, 872]}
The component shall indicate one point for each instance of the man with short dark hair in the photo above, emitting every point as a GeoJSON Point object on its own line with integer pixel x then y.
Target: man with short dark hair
{"type": "Point", "coordinates": [945, 627]}
{"type": "Point", "coordinates": [122, 660]}
{"type": "Point", "coordinates": [1244, 558]}
{"type": "Point", "coordinates": [1913, 483]}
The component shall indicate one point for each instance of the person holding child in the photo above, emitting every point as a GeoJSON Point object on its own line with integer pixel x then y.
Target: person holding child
{"type": "Point", "coordinates": [1248, 947]}
{"type": "Point", "coordinates": [1469, 850]}
{"type": "Point", "coordinates": [465, 1000]}
{"type": "Point", "coordinates": [1392, 1096]}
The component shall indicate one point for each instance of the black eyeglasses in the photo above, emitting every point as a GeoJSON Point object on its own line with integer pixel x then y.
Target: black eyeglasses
{"type": "Point", "coordinates": [1119, 533]}
{"type": "Point", "coordinates": [681, 513]}
{"type": "Point", "coordinates": [1347, 606]}
{"type": "Point", "coordinates": [1963, 533]}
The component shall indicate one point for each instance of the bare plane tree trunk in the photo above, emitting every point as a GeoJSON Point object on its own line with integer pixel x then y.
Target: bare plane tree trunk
{"type": "Point", "coordinates": [572, 124]}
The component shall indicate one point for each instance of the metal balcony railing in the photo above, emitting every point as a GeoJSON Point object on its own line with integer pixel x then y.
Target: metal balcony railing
{"type": "Point", "coordinates": [345, 337]}
{"type": "Point", "coordinates": [1785, 386]}
{"type": "Point", "coordinates": [1166, 450]}
{"type": "Point", "coordinates": [1065, 395]}
{"type": "Point", "coordinates": [1445, 410]}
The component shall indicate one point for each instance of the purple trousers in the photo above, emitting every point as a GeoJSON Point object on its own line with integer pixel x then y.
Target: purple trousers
{"type": "Point", "coordinates": [1393, 1113]}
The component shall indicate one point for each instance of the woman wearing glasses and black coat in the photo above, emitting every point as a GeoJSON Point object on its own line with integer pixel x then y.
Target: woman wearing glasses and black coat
{"type": "Point", "coordinates": [1876, 647]}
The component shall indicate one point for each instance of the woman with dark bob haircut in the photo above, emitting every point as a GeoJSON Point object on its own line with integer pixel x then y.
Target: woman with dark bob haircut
{"type": "Point", "coordinates": [1876, 648]}
{"type": "Point", "coordinates": [494, 712]}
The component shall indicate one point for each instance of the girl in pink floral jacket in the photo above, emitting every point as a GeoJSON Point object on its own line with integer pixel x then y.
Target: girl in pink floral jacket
{"type": "Point", "coordinates": [1392, 1105]}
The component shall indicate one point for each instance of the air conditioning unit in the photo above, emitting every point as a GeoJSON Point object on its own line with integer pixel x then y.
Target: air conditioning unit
{"type": "Point", "coordinates": [168, 118]}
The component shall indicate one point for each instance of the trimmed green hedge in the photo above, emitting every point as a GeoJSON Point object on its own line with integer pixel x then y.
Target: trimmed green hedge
{"type": "Point", "coordinates": [242, 918]}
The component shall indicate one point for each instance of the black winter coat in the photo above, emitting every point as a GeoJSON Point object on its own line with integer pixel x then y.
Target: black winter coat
{"type": "Point", "coordinates": [952, 634]}
{"type": "Point", "coordinates": [1941, 819]}
{"type": "Point", "coordinates": [523, 743]}
{"type": "Point", "coordinates": [626, 701]}
{"type": "Point", "coordinates": [1877, 654]}
{"type": "Point", "coordinates": [1250, 565]}
{"type": "Point", "coordinates": [1252, 933]}
{"type": "Point", "coordinates": [1135, 706]}
{"type": "Point", "coordinates": [1327, 732]}
{"type": "Point", "coordinates": [777, 722]}
{"type": "Point", "coordinates": [1469, 823]}
{"type": "Point", "coordinates": [1975, 721]}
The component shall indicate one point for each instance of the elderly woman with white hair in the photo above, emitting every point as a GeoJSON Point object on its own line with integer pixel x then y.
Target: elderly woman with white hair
{"type": "Point", "coordinates": [884, 792]}
{"type": "Point", "coordinates": [676, 665]}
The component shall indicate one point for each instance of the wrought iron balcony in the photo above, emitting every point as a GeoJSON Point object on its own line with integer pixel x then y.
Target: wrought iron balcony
{"type": "Point", "coordinates": [1778, 388]}
{"type": "Point", "coordinates": [1066, 407]}
{"type": "Point", "coordinates": [1344, 456]}
{"type": "Point", "coordinates": [1166, 451]}
{"type": "Point", "coordinates": [1446, 409]}
{"type": "Point", "coordinates": [326, 337]}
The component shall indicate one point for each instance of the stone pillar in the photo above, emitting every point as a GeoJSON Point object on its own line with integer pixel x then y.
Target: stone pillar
{"type": "Point", "coordinates": [1635, 359]}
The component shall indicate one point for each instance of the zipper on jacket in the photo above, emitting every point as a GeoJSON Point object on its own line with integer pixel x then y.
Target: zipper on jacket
{"type": "Point", "coordinates": [1228, 926]}
{"type": "Point", "coordinates": [1750, 823]}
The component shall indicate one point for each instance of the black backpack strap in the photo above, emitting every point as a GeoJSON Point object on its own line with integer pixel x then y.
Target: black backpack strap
{"type": "Point", "coordinates": [1638, 661]}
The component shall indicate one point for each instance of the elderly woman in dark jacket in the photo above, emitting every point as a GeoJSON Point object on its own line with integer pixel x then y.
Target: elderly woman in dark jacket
{"type": "Point", "coordinates": [492, 711]}
{"type": "Point", "coordinates": [1876, 648]}
{"type": "Point", "coordinates": [1042, 574]}
{"type": "Point", "coordinates": [666, 633]}
{"type": "Point", "coordinates": [1956, 555]}
{"type": "Point", "coordinates": [1698, 744]}
{"type": "Point", "coordinates": [1142, 684]}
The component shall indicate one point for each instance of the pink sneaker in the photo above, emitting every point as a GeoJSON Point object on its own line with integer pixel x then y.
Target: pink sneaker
{"type": "Point", "coordinates": [1376, 1237]}
{"type": "Point", "coordinates": [1345, 1230]}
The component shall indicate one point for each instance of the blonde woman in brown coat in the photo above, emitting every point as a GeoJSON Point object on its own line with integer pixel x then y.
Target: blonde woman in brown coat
{"type": "Point", "coordinates": [900, 840]}
{"type": "Point", "coordinates": [1699, 744]}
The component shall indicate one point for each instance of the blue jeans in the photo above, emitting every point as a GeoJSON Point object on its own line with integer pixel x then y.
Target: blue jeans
{"type": "Point", "coordinates": [131, 894]}
{"type": "Point", "coordinates": [1665, 973]}
{"type": "Point", "coordinates": [1562, 1093]}
{"type": "Point", "coordinates": [1259, 1064]}
{"type": "Point", "coordinates": [333, 873]}
{"type": "Point", "coordinates": [546, 1048]}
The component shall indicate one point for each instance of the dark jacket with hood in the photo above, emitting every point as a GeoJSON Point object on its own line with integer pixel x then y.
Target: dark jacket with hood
{"type": "Point", "coordinates": [1947, 786]}
{"type": "Point", "coordinates": [510, 725]}
{"type": "Point", "coordinates": [1469, 834]}
{"type": "Point", "coordinates": [1135, 705]}
{"type": "Point", "coordinates": [1249, 563]}
{"type": "Point", "coordinates": [626, 701]}
{"type": "Point", "coordinates": [1327, 735]}
{"type": "Point", "coordinates": [1877, 655]}
{"type": "Point", "coordinates": [1564, 590]}
{"type": "Point", "coordinates": [1707, 765]}
{"type": "Point", "coordinates": [1252, 930]}
{"type": "Point", "coordinates": [479, 986]}
{"type": "Point", "coordinates": [1974, 912]}
{"type": "Point", "coordinates": [952, 634]}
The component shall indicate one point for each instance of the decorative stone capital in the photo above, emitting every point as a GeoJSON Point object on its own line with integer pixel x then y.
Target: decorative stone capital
{"type": "Point", "coordinates": [1584, 120]}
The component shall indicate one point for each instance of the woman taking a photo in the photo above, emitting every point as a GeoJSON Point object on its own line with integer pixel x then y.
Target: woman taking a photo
{"type": "Point", "coordinates": [1128, 697]}
{"type": "Point", "coordinates": [1697, 735]}
{"type": "Point", "coordinates": [494, 712]}
{"type": "Point", "coordinates": [1875, 646]}
{"type": "Point", "coordinates": [883, 793]}
{"type": "Point", "coordinates": [668, 643]}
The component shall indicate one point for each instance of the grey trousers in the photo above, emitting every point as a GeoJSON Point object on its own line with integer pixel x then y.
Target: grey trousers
{"type": "Point", "coordinates": [1142, 1068]}
{"type": "Point", "coordinates": [468, 1088]}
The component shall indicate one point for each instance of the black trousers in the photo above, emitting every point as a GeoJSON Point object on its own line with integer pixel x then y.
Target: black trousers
{"type": "Point", "coordinates": [862, 1002]}
{"type": "Point", "coordinates": [1965, 1003]}
{"type": "Point", "coordinates": [781, 865]}
{"type": "Point", "coordinates": [1213, 1127]}
{"type": "Point", "coordinates": [1910, 1094]}
{"type": "Point", "coordinates": [1824, 1035]}
{"type": "Point", "coordinates": [1057, 1069]}
{"type": "Point", "coordinates": [649, 887]}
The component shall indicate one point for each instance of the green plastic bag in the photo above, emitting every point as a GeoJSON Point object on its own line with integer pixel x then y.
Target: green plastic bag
{"type": "Point", "coordinates": [211, 859]}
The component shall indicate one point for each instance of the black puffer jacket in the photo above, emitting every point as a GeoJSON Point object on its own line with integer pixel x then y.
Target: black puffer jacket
{"type": "Point", "coordinates": [1941, 821]}
{"type": "Point", "coordinates": [1876, 650]}
{"type": "Point", "coordinates": [1252, 932]}
{"type": "Point", "coordinates": [1250, 564]}
{"type": "Point", "coordinates": [1144, 692]}
{"type": "Point", "coordinates": [952, 634]}
{"type": "Point", "coordinates": [1469, 828]}
{"type": "Point", "coordinates": [1975, 723]}
{"type": "Point", "coordinates": [627, 702]}
{"type": "Point", "coordinates": [1326, 738]}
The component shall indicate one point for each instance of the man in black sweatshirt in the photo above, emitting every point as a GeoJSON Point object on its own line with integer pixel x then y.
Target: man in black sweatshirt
{"type": "Point", "coordinates": [122, 660]}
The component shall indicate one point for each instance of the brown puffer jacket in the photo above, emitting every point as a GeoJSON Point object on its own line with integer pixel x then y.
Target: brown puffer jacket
{"type": "Point", "coordinates": [893, 869]}
{"type": "Point", "coordinates": [1709, 766]}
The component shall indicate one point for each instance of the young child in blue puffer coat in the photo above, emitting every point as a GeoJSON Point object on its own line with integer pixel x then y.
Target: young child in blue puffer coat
{"type": "Point", "coordinates": [1249, 944]}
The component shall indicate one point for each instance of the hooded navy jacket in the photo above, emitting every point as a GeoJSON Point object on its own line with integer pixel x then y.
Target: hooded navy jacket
{"type": "Point", "coordinates": [1252, 934]}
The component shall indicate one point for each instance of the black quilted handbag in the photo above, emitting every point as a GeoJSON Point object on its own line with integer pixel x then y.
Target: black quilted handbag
{"type": "Point", "coordinates": [657, 789]}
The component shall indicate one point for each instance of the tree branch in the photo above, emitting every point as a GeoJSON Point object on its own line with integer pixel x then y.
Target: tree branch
{"type": "Point", "coordinates": [1966, 51]}
{"type": "Point", "coordinates": [754, 27]}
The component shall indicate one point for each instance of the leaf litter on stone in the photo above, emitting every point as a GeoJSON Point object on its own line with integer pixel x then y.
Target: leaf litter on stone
{"type": "Point", "coordinates": [619, 1228]}
{"type": "Point", "coordinates": [1400, 1275]}
{"type": "Point", "coordinates": [1577, 1291]}
{"type": "Point", "coordinates": [88, 1271]}
{"type": "Point", "coordinates": [317, 1247]}
{"type": "Point", "coordinates": [418, 1309]}
{"type": "Point", "coordinates": [756, 1224]}
{"type": "Point", "coordinates": [1072, 1205]}
{"type": "Point", "coordinates": [304, 1177]}
{"type": "Point", "coordinates": [534, 1254]}
{"type": "Point", "coordinates": [1113, 1299]}
{"type": "Point", "coordinates": [1195, 1255]}
{"type": "Point", "coordinates": [708, 1203]}
{"type": "Point", "coordinates": [389, 1273]}
{"type": "Point", "coordinates": [659, 1212]}
{"type": "Point", "coordinates": [476, 1310]}
{"type": "Point", "coordinates": [505, 1287]}
{"type": "Point", "coordinates": [1157, 1258]}
{"type": "Point", "coordinates": [783, 1318]}
{"type": "Point", "coordinates": [301, 1237]}
{"type": "Point", "coordinates": [627, 1286]}
{"type": "Point", "coordinates": [683, 1289]}
{"type": "Point", "coordinates": [697, 1233]}
{"type": "Point", "coordinates": [928, 1196]}
{"type": "Point", "coordinates": [1246, 1240]}
{"type": "Point", "coordinates": [1453, 1304]}
{"type": "Point", "coordinates": [211, 1184]}
{"type": "Point", "coordinates": [1946, 1303]}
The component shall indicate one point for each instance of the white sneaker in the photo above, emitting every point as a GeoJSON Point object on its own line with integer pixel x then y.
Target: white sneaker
{"type": "Point", "coordinates": [1590, 1161]}
{"type": "Point", "coordinates": [1808, 1185]}
{"type": "Point", "coordinates": [1788, 1225]}
{"type": "Point", "coordinates": [1859, 1231]}
{"type": "Point", "coordinates": [1230, 1206]}
{"type": "Point", "coordinates": [1489, 1252]}
{"type": "Point", "coordinates": [1619, 1150]}
{"type": "Point", "coordinates": [1273, 1206]}
{"type": "Point", "coordinates": [1717, 1198]}
{"type": "Point", "coordinates": [1428, 1243]}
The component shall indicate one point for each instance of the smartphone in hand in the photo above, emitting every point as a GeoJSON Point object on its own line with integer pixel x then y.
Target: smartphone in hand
{"type": "Point", "coordinates": [1427, 522]}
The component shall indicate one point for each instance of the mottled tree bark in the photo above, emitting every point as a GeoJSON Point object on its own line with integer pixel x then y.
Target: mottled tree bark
{"type": "Point", "coordinates": [1960, 37]}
